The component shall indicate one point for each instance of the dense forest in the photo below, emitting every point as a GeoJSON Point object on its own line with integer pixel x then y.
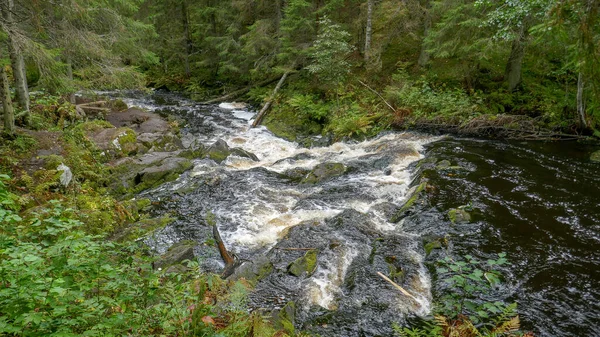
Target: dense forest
{"type": "Point", "coordinates": [74, 159]}
{"type": "Point", "coordinates": [457, 63]}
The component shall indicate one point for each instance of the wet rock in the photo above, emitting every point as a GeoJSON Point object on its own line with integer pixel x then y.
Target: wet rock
{"type": "Point", "coordinates": [459, 215]}
{"type": "Point", "coordinates": [409, 204]}
{"type": "Point", "coordinates": [324, 171]}
{"type": "Point", "coordinates": [286, 317]}
{"type": "Point", "coordinates": [443, 164]}
{"type": "Point", "coordinates": [219, 151]}
{"type": "Point", "coordinates": [243, 153]}
{"type": "Point", "coordinates": [595, 157]}
{"type": "Point", "coordinates": [168, 170]}
{"type": "Point", "coordinates": [305, 264]}
{"type": "Point", "coordinates": [296, 174]}
{"type": "Point", "coordinates": [178, 253]}
{"type": "Point", "coordinates": [253, 271]}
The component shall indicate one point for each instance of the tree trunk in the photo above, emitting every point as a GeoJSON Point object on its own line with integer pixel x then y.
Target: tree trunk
{"type": "Point", "coordinates": [368, 30]}
{"type": "Point", "coordinates": [187, 38]}
{"type": "Point", "coordinates": [267, 105]}
{"type": "Point", "coordinates": [515, 60]}
{"type": "Point", "coordinates": [424, 55]}
{"type": "Point", "coordinates": [9, 113]}
{"type": "Point", "coordinates": [581, 101]}
{"type": "Point", "coordinates": [16, 61]}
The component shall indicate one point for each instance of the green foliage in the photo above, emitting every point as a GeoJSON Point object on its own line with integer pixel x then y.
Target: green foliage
{"type": "Point", "coordinates": [328, 55]}
{"type": "Point", "coordinates": [429, 102]}
{"type": "Point", "coordinates": [464, 311]}
{"type": "Point", "coordinates": [57, 280]}
{"type": "Point", "coordinates": [309, 106]}
{"type": "Point", "coordinates": [470, 279]}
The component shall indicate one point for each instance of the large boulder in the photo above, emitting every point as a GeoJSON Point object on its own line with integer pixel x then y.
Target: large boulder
{"type": "Point", "coordinates": [169, 169]}
{"type": "Point", "coordinates": [323, 172]}
{"type": "Point", "coordinates": [117, 141]}
{"type": "Point", "coordinates": [219, 151]}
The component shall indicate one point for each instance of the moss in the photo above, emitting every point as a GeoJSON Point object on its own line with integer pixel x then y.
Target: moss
{"type": "Point", "coordinates": [118, 105]}
{"type": "Point", "coordinates": [401, 213]}
{"type": "Point", "coordinates": [142, 228]}
{"type": "Point", "coordinates": [93, 126]}
{"type": "Point", "coordinates": [305, 264]}
{"type": "Point", "coordinates": [285, 123]}
{"type": "Point", "coordinates": [286, 317]}
{"type": "Point", "coordinates": [127, 139]}
{"type": "Point", "coordinates": [459, 215]}
{"type": "Point", "coordinates": [52, 161]}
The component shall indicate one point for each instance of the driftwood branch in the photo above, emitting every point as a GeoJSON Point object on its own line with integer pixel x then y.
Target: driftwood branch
{"type": "Point", "coordinates": [406, 293]}
{"type": "Point", "coordinates": [378, 94]}
{"type": "Point", "coordinates": [267, 105]}
{"type": "Point", "coordinates": [231, 262]}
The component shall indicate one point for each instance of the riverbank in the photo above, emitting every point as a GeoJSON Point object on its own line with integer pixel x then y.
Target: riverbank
{"type": "Point", "coordinates": [274, 183]}
{"type": "Point", "coordinates": [73, 230]}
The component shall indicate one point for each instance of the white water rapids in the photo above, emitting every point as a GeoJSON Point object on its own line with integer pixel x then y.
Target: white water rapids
{"type": "Point", "coordinates": [260, 214]}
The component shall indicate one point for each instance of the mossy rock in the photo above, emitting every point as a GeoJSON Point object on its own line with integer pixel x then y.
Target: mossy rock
{"type": "Point", "coordinates": [127, 141]}
{"type": "Point", "coordinates": [295, 174]}
{"type": "Point", "coordinates": [323, 172]}
{"type": "Point", "coordinates": [305, 264]}
{"type": "Point", "coordinates": [168, 170]}
{"type": "Point", "coordinates": [179, 252]}
{"type": "Point", "coordinates": [459, 215]}
{"type": "Point", "coordinates": [408, 205]}
{"type": "Point", "coordinates": [253, 271]}
{"type": "Point", "coordinates": [141, 228]}
{"type": "Point", "coordinates": [443, 164]}
{"type": "Point", "coordinates": [118, 105]}
{"type": "Point", "coordinates": [219, 151]}
{"type": "Point", "coordinates": [595, 156]}
{"type": "Point", "coordinates": [286, 317]}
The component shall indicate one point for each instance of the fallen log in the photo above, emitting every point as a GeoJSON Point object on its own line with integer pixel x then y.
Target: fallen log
{"type": "Point", "coordinates": [231, 261]}
{"type": "Point", "coordinates": [267, 105]}
{"type": "Point", "coordinates": [406, 293]}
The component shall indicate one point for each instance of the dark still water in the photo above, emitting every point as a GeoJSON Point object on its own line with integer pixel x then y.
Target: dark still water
{"type": "Point", "coordinates": [539, 203]}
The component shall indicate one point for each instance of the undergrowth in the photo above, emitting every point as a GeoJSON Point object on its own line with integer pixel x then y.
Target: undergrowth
{"type": "Point", "coordinates": [59, 280]}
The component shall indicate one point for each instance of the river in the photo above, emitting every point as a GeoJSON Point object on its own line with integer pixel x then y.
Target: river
{"type": "Point", "coordinates": [538, 202]}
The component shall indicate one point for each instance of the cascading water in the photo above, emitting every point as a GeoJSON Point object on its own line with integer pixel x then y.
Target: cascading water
{"type": "Point", "coordinates": [262, 211]}
{"type": "Point", "coordinates": [537, 202]}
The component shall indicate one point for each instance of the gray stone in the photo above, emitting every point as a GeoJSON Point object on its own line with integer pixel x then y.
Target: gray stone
{"type": "Point", "coordinates": [164, 171]}
{"type": "Point", "coordinates": [324, 171]}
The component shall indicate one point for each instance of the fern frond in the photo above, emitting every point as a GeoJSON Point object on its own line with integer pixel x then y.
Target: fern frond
{"type": "Point", "coordinates": [511, 325]}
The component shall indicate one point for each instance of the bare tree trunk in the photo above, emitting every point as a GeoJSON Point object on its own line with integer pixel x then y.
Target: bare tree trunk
{"type": "Point", "coordinates": [581, 101]}
{"type": "Point", "coordinates": [368, 30]}
{"type": "Point", "coordinates": [9, 113]}
{"type": "Point", "coordinates": [267, 105]}
{"type": "Point", "coordinates": [424, 55]}
{"type": "Point", "coordinates": [515, 60]}
{"type": "Point", "coordinates": [16, 61]}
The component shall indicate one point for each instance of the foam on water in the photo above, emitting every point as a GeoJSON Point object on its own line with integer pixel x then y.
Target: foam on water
{"type": "Point", "coordinates": [260, 214]}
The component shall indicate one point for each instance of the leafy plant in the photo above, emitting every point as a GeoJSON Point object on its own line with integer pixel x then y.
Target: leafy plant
{"type": "Point", "coordinates": [461, 311]}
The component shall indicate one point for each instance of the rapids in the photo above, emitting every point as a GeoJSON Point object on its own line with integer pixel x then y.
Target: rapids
{"type": "Point", "coordinates": [534, 202]}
